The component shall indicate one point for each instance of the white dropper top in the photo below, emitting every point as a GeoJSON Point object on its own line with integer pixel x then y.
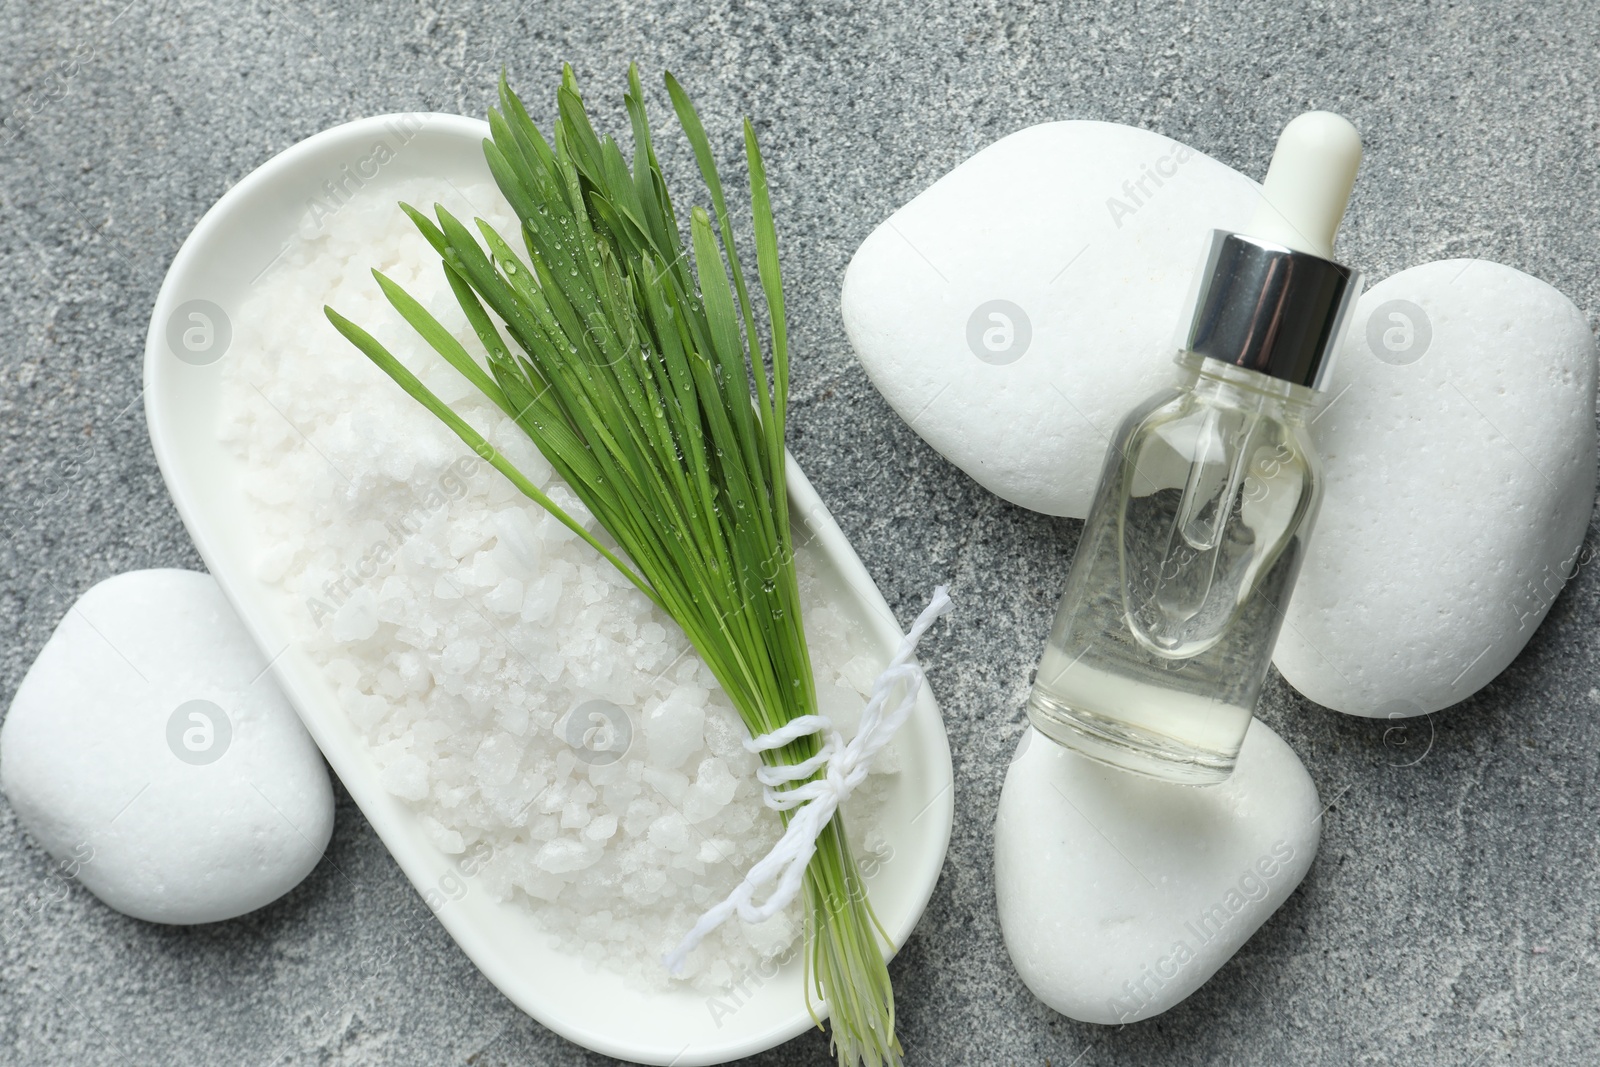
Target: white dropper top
{"type": "Point", "coordinates": [1308, 183]}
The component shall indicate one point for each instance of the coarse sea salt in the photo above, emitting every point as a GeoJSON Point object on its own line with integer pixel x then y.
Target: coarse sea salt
{"type": "Point", "coordinates": [538, 713]}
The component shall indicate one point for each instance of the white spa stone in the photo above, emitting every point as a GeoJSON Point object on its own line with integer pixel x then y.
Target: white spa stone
{"type": "Point", "coordinates": [1121, 895]}
{"type": "Point", "coordinates": [149, 750]}
{"type": "Point", "coordinates": [1016, 309]}
{"type": "Point", "coordinates": [1459, 456]}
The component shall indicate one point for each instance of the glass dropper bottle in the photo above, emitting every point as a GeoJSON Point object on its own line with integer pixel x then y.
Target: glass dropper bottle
{"type": "Point", "coordinates": [1165, 631]}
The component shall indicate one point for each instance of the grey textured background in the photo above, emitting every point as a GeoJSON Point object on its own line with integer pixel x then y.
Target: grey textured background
{"type": "Point", "coordinates": [1451, 917]}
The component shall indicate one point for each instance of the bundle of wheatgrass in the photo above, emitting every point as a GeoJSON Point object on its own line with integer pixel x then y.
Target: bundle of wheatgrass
{"type": "Point", "coordinates": [630, 362]}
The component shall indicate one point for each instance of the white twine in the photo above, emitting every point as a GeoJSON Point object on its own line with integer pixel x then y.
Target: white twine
{"type": "Point", "coordinates": [847, 767]}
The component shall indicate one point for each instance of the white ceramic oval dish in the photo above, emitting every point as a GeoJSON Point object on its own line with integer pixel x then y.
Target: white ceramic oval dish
{"type": "Point", "coordinates": [230, 248]}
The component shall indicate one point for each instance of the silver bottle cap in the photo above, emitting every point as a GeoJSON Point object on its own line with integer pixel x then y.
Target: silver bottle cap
{"type": "Point", "coordinates": [1268, 308]}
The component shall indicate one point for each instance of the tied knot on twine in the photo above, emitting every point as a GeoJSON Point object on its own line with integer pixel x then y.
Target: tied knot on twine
{"type": "Point", "coordinates": [843, 766]}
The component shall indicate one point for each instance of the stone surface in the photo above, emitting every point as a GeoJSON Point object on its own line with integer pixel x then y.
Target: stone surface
{"type": "Point", "coordinates": [1019, 307]}
{"type": "Point", "coordinates": [1458, 448]}
{"type": "Point", "coordinates": [1120, 895]}
{"type": "Point", "coordinates": [151, 755]}
{"type": "Point", "coordinates": [1450, 914]}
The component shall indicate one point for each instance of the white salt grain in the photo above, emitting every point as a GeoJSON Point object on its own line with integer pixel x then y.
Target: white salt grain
{"type": "Point", "coordinates": [406, 777]}
{"type": "Point", "coordinates": [670, 832]}
{"type": "Point", "coordinates": [357, 618]}
{"type": "Point", "coordinates": [673, 730]}
{"type": "Point", "coordinates": [505, 598]}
